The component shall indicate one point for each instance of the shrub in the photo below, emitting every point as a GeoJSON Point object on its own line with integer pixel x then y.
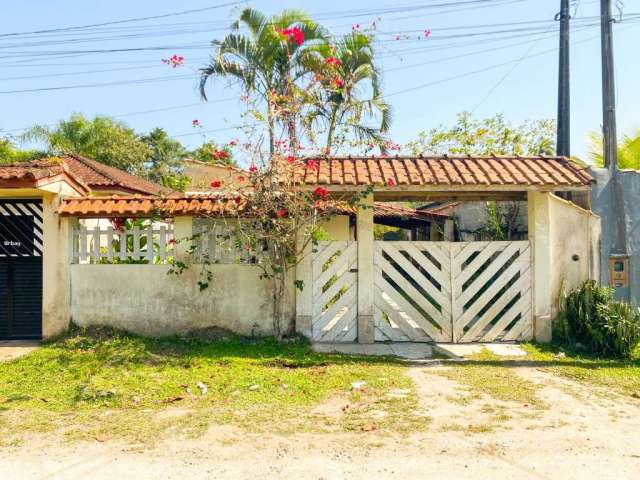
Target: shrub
{"type": "Point", "coordinates": [589, 316]}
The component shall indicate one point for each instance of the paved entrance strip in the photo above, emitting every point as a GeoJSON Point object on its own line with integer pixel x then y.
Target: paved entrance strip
{"type": "Point", "coordinates": [420, 351]}
{"type": "Point", "coordinates": [10, 349]}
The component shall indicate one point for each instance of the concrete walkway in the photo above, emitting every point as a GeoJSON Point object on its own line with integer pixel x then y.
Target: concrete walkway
{"type": "Point", "coordinates": [410, 351]}
{"type": "Point", "coordinates": [419, 351]}
{"type": "Point", "coordinates": [10, 349]}
{"type": "Point", "coordinates": [465, 350]}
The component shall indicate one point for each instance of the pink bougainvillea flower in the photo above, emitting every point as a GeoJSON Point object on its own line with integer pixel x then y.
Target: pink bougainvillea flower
{"type": "Point", "coordinates": [355, 26]}
{"type": "Point", "coordinates": [338, 82]}
{"type": "Point", "coordinates": [321, 192]}
{"type": "Point", "coordinates": [221, 155]}
{"type": "Point", "coordinates": [174, 60]}
{"type": "Point", "coordinates": [253, 169]}
{"type": "Point", "coordinates": [172, 241]}
{"type": "Point", "coordinates": [281, 213]}
{"type": "Point", "coordinates": [389, 145]}
{"type": "Point", "coordinates": [333, 61]}
{"type": "Point", "coordinates": [427, 33]}
{"type": "Point", "coordinates": [216, 183]}
{"type": "Point", "coordinates": [391, 182]}
{"type": "Point", "coordinates": [291, 159]}
{"type": "Point", "coordinates": [293, 34]}
{"type": "Point", "coordinates": [195, 122]}
{"type": "Point", "coordinates": [233, 143]}
{"type": "Point", "coordinates": [312, 165]}
{"type": "Point", "coordinates": [237, 200]}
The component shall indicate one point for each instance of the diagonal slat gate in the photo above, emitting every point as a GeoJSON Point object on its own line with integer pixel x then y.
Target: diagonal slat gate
{"type": "Point", "coordinates": [413, 295]}
{"type": "Point", "coordinates": [335, 292]}
{"type": "Point", "coordinates": [452, 292]}
{"type": "Point", "coordinates": [491, 291]}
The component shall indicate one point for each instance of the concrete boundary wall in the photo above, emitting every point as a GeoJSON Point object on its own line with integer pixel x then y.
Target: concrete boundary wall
{"type": "Point", "coordinates": [143, 299]}
{"type": "Point", "coordinates": [575, 247]}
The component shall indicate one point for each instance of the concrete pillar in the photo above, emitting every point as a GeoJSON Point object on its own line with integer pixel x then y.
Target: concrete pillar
{"type": "Point", "coordinates": [56, 259]}
{"type": "Point", "coordinates": [364, 226]}
{"type": "Point", "coordinates": [540, 237]}
{"type": "Point", "coordinates": [304, 297]}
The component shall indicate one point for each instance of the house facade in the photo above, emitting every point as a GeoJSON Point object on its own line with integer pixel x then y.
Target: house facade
{"type": "Point", "coordinates": [357, 288]}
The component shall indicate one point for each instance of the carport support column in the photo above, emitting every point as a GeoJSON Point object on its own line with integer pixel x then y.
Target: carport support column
{"type": "Point", "coordinates": [364, 225]}
{"type": "Point", "coordinates": [540, 237]}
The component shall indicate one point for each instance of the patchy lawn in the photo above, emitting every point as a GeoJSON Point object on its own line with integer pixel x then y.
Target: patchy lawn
{"type": "Point", "coordinates": [106, 384]}
{"type": "Point", "coordinates": [620, 376]}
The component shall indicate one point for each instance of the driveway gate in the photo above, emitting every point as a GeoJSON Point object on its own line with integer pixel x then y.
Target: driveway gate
{"type": "Point", "coordinates": [426, 291]}
{"type": "Point", "coordinates": [20, 269]}
{"type": "Point", "coordinates": [453, 292]}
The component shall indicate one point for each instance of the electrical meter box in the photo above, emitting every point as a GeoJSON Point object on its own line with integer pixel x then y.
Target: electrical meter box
{"type": "Point", "coordinates": [619, 276]}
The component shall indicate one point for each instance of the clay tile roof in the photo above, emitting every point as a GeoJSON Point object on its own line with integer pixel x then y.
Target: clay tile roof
{"type": "Point", "coordinates": [37, 173]}
{"type": "Point", "coordinates": [31, 170]}
{"type": "Point", "coordinates": [202, 205]}
{"type": "Point", "coordinates": [99, 176]}
{"type": "Point", "coordinates": [91, 175]}
{"type": "Point", "coordinates": [151, 206]}
{"type": "Point", "coordinates": [445, 171]}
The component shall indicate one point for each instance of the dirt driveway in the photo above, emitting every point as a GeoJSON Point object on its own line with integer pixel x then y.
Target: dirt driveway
{"type": "Point", "coordinates": [570, 432]}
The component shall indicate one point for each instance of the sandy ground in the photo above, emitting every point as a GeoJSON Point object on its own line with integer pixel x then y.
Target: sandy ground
{"type": "Point", "coordinates": [582, 435]}
{"type": "Point", "coordinates": [12, 349]}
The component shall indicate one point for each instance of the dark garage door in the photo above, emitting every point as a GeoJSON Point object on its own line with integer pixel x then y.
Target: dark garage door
{"type": "Point", "coordinates": [20, 269]}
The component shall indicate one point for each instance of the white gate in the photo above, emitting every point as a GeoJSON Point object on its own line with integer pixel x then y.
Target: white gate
{"type": "Point", "coordinates": [335, 292]}
{"type": "Point", "coordinates": [453, 292]}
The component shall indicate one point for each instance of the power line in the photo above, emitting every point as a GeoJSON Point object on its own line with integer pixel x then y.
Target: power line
{"type": "Point", "coordinates": [128, 20]}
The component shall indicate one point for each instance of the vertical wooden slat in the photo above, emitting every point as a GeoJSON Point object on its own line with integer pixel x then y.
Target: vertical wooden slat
{"type": "Point", "coordinates": [83, 244]}
{"type": "Point", "coordinates": [96, 244]}
{"type": "Point", "coordinates": [110, 243]}
{"type": "Point", "coordinates": [149, 234]}
{"type": "Point", "coordinates": [162, 243]}
{"type": "Point", "coordinates": [123, 245]}
{"type": "Point", "coordinates": [136, 243]}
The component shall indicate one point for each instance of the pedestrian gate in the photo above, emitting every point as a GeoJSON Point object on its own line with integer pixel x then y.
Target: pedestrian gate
{"type": "Point", "coordinates": [20, 269]}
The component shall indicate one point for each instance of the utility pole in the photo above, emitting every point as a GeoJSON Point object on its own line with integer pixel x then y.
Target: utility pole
{"type": "Point", "coordinates": [608, 89]}
{"type": "Point", "coordinates": [563, 142]}
{"type": "Point", "coordinates": [619, 261]}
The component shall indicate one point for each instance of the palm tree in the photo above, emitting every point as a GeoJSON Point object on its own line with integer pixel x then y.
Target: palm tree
{"type": "Point", "coordinates": [265, 60]}
{"type": "Point", "coordinates": [346, 70]}
{"type": "Point", "coordinates": [628, 150]}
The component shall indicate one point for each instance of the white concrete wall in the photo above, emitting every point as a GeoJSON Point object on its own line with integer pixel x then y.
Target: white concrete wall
{"type": "Point", "coordinates": [145, 300]}
{"type": "Point", "coordinates": [575, 247]}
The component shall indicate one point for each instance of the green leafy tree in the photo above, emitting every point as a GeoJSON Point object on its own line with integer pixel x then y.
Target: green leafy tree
{"type": "Point", "coordinates": [266, 61]}
{"type": "Point", "coordinates": [486, 136]}
{"type": "Point", "coordinates": [164, 163]}
{"type": "Point", "coordinates": [9, 153]}
{"type": "Point", "coordinates": [628, 150]}
{"type": "Point", "coordinates": [101, 138]}
{"type": "Point", "coordinates": [345, 70]}
{"type": "Point", "coordinates": [211, 152]}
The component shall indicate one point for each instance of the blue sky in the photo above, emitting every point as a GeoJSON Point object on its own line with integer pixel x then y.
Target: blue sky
{"type": "Point", "coordinates": [512, 69]}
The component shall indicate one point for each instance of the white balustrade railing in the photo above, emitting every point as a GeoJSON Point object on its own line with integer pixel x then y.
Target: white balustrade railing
{"type": "Point", "coordinates": [135, 245]}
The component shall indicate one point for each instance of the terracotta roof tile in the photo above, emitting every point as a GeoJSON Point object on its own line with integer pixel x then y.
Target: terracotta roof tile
{"type": "Point", "coordinates": [99, 176]}
{"type": "Point", "coordinates": [461, 170]}
{"type": "Point", "coordinates": [202, 205]}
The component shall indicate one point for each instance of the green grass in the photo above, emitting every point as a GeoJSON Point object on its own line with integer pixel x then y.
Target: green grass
{"type": "Point", "coordinates": [112, 384]}
{"type": "Point", "coordinates": [486, 374]}
{"type": "Point", "coordinates": [621, 376]}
